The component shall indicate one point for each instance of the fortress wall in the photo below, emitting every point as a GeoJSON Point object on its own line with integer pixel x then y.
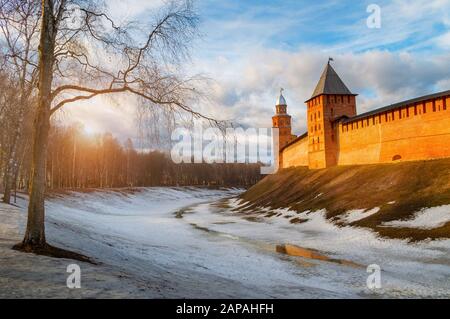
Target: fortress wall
{"type": "Point", "coordinates": [415, 132]}
{"type": "Point", "coordinates": [295, 154]}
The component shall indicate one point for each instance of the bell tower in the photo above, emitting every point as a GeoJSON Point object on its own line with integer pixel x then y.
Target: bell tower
{"type": "Point", "coordinates": [330, 100]}
{"type": "Point", "coordinates": [282, 121]}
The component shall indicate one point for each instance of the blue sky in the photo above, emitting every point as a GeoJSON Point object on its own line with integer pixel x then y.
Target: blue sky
{"type": "Point", "coordinates": [339, 25]}
{"type": "Point", "coordinates": [251, 48]}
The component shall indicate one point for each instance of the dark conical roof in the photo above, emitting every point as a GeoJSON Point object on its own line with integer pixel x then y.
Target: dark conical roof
{"type": "Point", "coordinates": [330, 83]}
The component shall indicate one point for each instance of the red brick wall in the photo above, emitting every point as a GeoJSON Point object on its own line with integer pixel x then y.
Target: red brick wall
{"type": "Point", "coordinates": [415, 132]}
{"type": "Point", "coordinates": [295, 154]}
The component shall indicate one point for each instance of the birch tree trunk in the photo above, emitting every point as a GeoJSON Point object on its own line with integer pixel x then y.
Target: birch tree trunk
{"type": "Point", "coordinates": [35, 232]}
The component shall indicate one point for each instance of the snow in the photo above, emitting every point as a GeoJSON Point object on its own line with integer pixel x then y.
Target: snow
{"type": "Point", "coordinates": [427, 218]}
{"type": "Point", "coordinates": [358, 214]}
{"type": "Point", "coordinates": [192, 243]}
{"type": "Point", "coordinates": [409, 269]}
{"type": "Point", "coordinates": [30, 276]}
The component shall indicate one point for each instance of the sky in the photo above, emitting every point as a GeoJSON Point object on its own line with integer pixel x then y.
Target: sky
{"type": "Point", "coordinates": [250, 49]}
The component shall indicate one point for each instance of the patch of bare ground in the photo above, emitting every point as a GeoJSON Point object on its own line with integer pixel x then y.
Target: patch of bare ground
{"type": "Point", "coordinates": [400, 190]}
{"type": "Point", "coordinates": [51, 251]}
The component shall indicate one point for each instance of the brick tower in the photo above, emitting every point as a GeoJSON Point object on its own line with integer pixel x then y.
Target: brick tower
{"type": "Point", "coordinates": [330, 101]}
{"type": "Point", "coordinates": [282, 121]}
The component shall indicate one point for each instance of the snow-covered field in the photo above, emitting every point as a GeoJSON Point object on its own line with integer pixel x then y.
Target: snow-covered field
{"type": "Point", "coordinates": [188, 242]}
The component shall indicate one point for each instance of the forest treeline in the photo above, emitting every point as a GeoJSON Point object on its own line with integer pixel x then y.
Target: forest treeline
{"type": "Point", "coordinates": [77, 160]}
{"type": "Point", "coordinates": [80, 160]}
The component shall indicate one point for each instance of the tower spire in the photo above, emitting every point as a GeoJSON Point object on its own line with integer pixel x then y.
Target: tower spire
{"type": "Point", "coordinates": [281, 100]}
{"type": "Point", "coordinates": [282, 120]}
{"type": "Point", "coordinates": [330, 83]}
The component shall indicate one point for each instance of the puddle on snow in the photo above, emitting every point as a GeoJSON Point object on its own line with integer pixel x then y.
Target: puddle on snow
{"type": "Point", "coordinates": [302, 256]}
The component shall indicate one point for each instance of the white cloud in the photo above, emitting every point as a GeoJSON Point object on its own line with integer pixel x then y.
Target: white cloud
{"type": "Point", "coordinates": [249, 59]}
{"type": "Point", "coordinates": [380, 77]}
{"type": "Point", "coordinates": [443, 41]}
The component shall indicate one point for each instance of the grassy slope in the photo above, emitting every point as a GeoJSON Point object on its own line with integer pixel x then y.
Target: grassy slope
{"type": "Point", "coordinates": [412, 185]}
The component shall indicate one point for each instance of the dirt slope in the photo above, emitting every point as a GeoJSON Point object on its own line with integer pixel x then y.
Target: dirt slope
{"type": "Point", "coordinates": [399, 190]}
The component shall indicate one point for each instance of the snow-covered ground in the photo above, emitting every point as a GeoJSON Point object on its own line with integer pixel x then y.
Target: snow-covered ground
{"type": "Point", "coordinates": [427, 218]}
{"type": "Point", "coordinates": [188, 242]}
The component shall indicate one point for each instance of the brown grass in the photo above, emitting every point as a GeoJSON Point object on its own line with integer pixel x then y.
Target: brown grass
{"type": "Point", "coordinates": [411, 185]}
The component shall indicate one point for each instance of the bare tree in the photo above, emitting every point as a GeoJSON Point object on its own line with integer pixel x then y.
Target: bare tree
{"type": "Point", "coordinates": [19, 28]}
{"type": "Point", "coordinates": [75, 38]}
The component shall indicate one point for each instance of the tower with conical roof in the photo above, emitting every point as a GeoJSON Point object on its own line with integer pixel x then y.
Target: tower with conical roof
{"type": "Point", "coordinates": [282, 121]}
{"type": "Point", "coordinates": [330, 101]}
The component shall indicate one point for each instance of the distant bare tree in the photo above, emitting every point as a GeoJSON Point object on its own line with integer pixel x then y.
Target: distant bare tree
{"type": "Point", "coordinates": [75, 38]}
{"type": "Point", "coordinates": [19, 29]}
